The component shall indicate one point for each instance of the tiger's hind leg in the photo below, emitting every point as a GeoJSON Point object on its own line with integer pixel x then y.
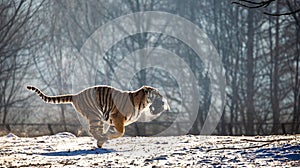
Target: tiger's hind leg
{"type": "Point", "coordinates": [97, 130]}
{"type": "Point", "coordinates": [118, 121]}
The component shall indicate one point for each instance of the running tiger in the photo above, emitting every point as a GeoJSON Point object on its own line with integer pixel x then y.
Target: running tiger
{"type": "Point", "coordinates": [108, 107]}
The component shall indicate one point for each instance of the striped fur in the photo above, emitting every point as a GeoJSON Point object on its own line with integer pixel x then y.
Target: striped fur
{"type": "Point", "coordinates": [63, 99]}
{"type": "Point", "coordinates": [105, 105]}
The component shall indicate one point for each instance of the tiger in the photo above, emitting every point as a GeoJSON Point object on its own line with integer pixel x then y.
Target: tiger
{"type": "Point", "coordinates": [107, 107]}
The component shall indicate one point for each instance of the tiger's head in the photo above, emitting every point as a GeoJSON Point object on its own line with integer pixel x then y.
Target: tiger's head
{"type": "Point", "coordinates": [156, 104]}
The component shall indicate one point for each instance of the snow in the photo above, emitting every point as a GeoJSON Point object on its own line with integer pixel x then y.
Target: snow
{"type": "Point", "coordinates": [65, 149]}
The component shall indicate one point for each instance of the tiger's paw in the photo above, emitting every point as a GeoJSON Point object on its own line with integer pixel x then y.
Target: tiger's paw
{"type": "Point", "coordinates": [100, 143]}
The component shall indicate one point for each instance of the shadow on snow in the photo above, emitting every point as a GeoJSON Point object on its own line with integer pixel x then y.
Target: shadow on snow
{"type": "Point", "coordinates": [78, 152]}
{"type": "Point", "coordinates": [286, 152]}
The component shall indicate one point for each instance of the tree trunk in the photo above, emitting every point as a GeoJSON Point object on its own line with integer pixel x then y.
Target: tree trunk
{"type": "Point", "coordinates": [274, 98]}
{"type": "Point", "coordinates": [250, 112]}
{"type": "Point", "coordinates": [296, 90]}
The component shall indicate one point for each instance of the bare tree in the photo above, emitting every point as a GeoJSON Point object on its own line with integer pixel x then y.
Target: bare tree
{"type": "Point", "coordinates": [17, 38]}
{"type": "Point", "coordinates": [265, 3]}
{"type": "Point", "coordinates": [259, 52]}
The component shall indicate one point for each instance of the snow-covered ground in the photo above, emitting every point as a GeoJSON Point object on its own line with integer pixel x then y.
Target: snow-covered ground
{"type": "Point", "coordinates": [64, 149]}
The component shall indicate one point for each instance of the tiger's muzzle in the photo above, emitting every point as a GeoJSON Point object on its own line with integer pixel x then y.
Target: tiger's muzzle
{"type": "Point", "coordinates": [159, 105]}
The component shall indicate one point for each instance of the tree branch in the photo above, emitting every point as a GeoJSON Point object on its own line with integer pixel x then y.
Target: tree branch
{"type": "Point", "coordinates": [282, 14]}
{"type": "Point", "coordinates": [252, 5]}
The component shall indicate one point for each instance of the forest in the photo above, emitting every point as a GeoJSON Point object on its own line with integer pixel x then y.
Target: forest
{"type": "Point", "coordinates": [227, 67]}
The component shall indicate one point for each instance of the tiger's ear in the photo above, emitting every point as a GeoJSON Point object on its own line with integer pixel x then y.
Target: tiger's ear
{"type": "Point", "coordinates": [146, 90]}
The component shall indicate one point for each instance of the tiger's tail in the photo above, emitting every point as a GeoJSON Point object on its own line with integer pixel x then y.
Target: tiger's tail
{"type": "Point", "coordinates": [61, 99]}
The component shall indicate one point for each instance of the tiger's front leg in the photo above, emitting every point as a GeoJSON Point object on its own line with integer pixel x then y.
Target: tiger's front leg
{"type": "Point", "coordinates": [118, 129]}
